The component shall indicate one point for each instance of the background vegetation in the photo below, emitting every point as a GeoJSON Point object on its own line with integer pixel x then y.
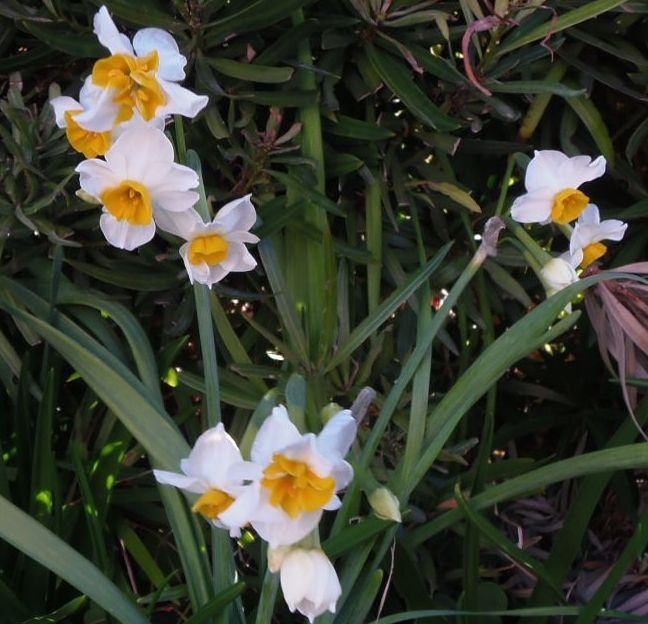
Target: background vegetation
{"type": "Point", "coordinates": [376, 138]}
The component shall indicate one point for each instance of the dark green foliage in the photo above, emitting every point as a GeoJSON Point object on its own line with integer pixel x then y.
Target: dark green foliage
{"type": "Point", "coordinates": [374, 162]}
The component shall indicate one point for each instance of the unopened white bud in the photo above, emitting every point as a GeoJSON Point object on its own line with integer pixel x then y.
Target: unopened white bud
{"type": "Point", "coordinates": [385, 504]}
{"type": "Point", "coordinates": [557, 274]}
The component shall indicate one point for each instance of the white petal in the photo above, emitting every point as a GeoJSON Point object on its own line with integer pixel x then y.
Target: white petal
{"type": "Point", "coordinates": [108, 35]}
{"type": "Point", "coordinates": [144, 154]}
{"type": "Point", "coordinates": [174, 201]}
{"type": "Point", "coordinates": [196, 272]}
{"type": "Point", "coordinates": [576, 257]}
{"type": "Point", "coordinates": [589, 216]}
{"type": "Point", "coordinates": [241, 511]}
{"type": "Point", "coordinates": [581, 169]}
{"type": "Point", "coordinates": [216, 274]}
{"type": "Point", "coordinates": [238, 259]}
{"type": "Point", "coordinates": [90, 93]}
{"type": "Point", "coordinates": [123, 235]}
{"type": "Point", "coordinates": [236, 215]}
{"type": "Point", "coordinates": [137, 122]}
{"type": "Point", "coordinates": [342, 472]}
{"type": "Point", "coordinates": [586, 234]}
{"type": "Point", "coordinates": [179, 223]}
{"type": "Point", "coordinates": [276, 432]}
{"type": "Point", "coordinates": [190, 484]}
{"type": "Point", "coordinates": [290, 531]}
{"type": "Point", "coordinates": [558, 273]}
{"type": "Point", "coordinates": [61, 105]}
{"type": "Point", "coordinates": [544, 170]}
{"type": "Point", "coordinates": [242, 237]}
{"type": "Point", "coordinates": [172, 63]}
{"type": "Point", "coordinates": [338, 434]}
{"type": "Point", "coordinates": [297, 577]}
{"type": "Point", "coordinates": [100, 115]}
{"type": "Point", "coordinates": [245, 471]}
{"type": "Point", "coordinates": [333, 504]}
{"type": "Point", "coordinates": [95, 176]}
{"type": "Point", "coordinates": [306, 450]}
{"type": "Point", "coordinates": [612, 229]}
{"type": "Point", "coordinates": [533, 207]}
{"type": "Point", "coordinates": [309, 582]}
{"type": "Point", "coordinates": [212, 456]}
{"type": "Point", "coordinates": [181, 100]}
{"type": "Point", "coordinates": [178, 178]}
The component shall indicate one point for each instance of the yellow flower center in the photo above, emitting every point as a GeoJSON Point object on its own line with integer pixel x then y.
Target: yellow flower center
{"type": "Point", "coordinates": [135, 83]}
{"type": "Point", "coordinates": [212, 504]}
{"type": "Point", "coordinates": [568, 205]}
{"type": "Point", "coordinates": [295, 487]}
{"type": "Point", "coordinates": [90, 144]}
{"type": "Point", "coordinates": [211, 249]}
{"type": "Point", "coordinates": [592, 252]}
{"type": "Point", "coordinates": [130, 201]}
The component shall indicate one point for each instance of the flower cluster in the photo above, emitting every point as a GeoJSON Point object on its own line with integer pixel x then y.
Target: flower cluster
{"type": "Point", "coordinates": [281, 492]}
{"type": "Point", "coordinates": [120, 115]}
{"type": "Point", "coordinates": [553, 195]}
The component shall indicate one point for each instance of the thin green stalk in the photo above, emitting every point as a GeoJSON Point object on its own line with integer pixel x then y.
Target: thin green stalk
{"type": "Point", "coordinates": [540, 255]}
{"type": "Point", "coordinates": [501, 200]}
{"type": "Point", "coordinates": [222, 559]}
{"type": "Point", "coordinates": [208, 350]}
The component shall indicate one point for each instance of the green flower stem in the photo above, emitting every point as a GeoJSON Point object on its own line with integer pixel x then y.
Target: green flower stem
{"type": "Point", "coordinates": [566, 229]}
{"type": "Point", "coordinates": [501, 200]}
{"type": "Point", "coordinates": [222, 561]}
{"type": "Point", "coordinates": [538, 253]}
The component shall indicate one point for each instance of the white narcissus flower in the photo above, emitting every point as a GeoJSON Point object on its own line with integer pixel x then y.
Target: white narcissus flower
{"type": "Point", "coordinates": [552, 180]}
{"type": "Point", "coordinates": [139, 76]}
{"type": "Point", "coordinates": [89, 142]}
{"type": "Point", "coordinates": [309, 582]}
{"type": "Point", "coordinates": [585, 244]}
{"type": "Point", "coordinates": [557, 274]}
{"type": "Point", "coordinates": [137, 179]}
{"type": "Point", "coordinates": [216, 471]}
{"type": "Point", "coordinates": [217, 248]}
{"type": "Point", "coordinates": [301, 474]}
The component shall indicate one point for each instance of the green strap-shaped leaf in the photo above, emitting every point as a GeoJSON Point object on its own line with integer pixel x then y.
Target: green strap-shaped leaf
{"type": "Point", "coordinates": [398, 79]}
{"type": "Point", "coordinates": [552, 26]}
{"type": "Point", "coordinates": [251, 73]}
{"type": "Point", "coordinates": [32, 538]}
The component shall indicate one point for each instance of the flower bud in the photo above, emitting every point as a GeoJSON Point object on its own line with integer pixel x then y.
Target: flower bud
{"type": "Point", "coordinates": [328, 411]}
{"type": "Point", "coordinates": [557, 274]}
{"type": "Point", "coordinates": [309, 582]}
{"type": "Point", "coordinates": [86, 197]}
{"type": "Point", "coordinates": [385, 504]}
